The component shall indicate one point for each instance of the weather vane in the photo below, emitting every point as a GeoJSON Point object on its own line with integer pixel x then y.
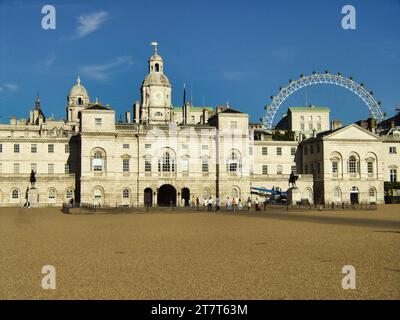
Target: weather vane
{"type": "Point", "coordinates": [155, 44]}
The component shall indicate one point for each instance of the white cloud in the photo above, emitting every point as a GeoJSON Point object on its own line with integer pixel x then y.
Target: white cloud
{"type": "Point", "coordinates": [88, 23]}
{"type": "Point", "coordinates": [104, 71]}
{"type": "Point", "coordinates": [8, 89]}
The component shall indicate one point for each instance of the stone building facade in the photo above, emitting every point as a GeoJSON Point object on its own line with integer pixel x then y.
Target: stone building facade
{"type": "Point", "coordinates": [166, 155]}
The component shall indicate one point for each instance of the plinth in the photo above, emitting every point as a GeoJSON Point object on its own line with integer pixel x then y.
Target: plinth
{"type": "Point", "coordinates": [293, 196]}
{"type": "Point", "coordinates": [33, 196]}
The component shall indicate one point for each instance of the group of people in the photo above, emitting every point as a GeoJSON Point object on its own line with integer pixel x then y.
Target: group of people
{"type": "Point", "coordinates": [232, 204]}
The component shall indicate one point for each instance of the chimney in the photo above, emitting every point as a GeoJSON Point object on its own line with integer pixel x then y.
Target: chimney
{"type": "Point", "coordinates": [336, 124]}
{"type": "Point", "coordinates": [128, 116]}
{"type": "Point", "coordinates": [372, 124]}
{"type": "Point", "coordinates": [186, 112]}
{"type": "Point", "coordinates": [136, 110]}
{"type": "Point", "coordinates": [205, 116]}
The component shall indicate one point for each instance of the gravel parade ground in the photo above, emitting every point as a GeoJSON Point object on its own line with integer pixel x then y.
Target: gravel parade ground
{"type": "Point", "coordinates": [186, 254]}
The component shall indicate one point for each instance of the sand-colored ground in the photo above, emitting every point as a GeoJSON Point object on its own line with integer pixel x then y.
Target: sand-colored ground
{"type": "Point", "coordinates": [192, 255]}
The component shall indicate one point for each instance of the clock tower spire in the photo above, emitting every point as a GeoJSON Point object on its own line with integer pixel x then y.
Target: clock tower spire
{"type": "Point", "coordinates": [156, 106]}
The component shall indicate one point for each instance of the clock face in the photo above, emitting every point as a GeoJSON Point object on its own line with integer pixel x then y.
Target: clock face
{"type": "Point", "coordinates": [157, 96]}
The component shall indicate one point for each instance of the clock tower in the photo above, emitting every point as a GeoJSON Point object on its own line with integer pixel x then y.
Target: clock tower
{"type": "Point", "coordinates": [156, 106]}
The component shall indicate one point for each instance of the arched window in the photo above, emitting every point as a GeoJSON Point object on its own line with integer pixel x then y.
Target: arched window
{"type": "Point", "coordinates": [166, 163]}
{"type": "Point", "coordinates": [206, 193]}
{"type": "Point", "coordinates": [157, 67]}
{"type": "Point", "coordinates": [235, 193]}
{"type": "Point", "coordinates": [80, 102]}
{"type": "Point", "coordinates": [337, 194]}
{"type": "Point", "coordinates": [353, 165]}
{"type": "Point", "coordinates": [233, 163]}
{"type": "Point", "coordinates": [97, 194]}
{"type": "Point", "coordinates": [15, 194]}
{"type": "Point", "coordinates": [371, 192]}
{"type": "Point", "coordinates": [52, 194]}
{"type": "Point", "coordinates": [68, 194]}
{"type": "Point", "coordinates": [98, 160]}
{"type": "Point", "coordinates": [125, 194]}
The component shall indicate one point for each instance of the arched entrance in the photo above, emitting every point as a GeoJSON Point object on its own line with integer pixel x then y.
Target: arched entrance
{"type": "Point", "coordinates": [354, 195]}
{"type": "Point", "coordinates": [185, 196]}
{"type": "Point", "coordinates": [148, 197]}
{"type": "Point", "coordinates": [166, 195]}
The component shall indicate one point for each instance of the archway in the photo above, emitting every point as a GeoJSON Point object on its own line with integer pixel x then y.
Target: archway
{"type": "Point", "coordinates": [326, 78]}
{"type": "Point", "coordinates": [185, 196]}
{"type": "Point", "coordinates": [354, 195]}
{"type": "Point", "coordinates": [148, 197]}
{"type": "Point", "coordinates": [166, 195]}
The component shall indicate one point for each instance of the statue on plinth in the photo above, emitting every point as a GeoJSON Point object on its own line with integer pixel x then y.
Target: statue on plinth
{"type": "Point", "coordinates": [292, 180]}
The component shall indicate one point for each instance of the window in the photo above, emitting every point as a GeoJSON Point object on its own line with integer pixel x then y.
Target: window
{"type": "Point", "coordinates": [69, 194]}
{"type": "Point", "coordinates": [185, 165]}
{"type": "Point", "coordinates": [52, 194]}
{"type": "Point", "coordinates": [264, 151]}
{"type": "Point", "coordinates": [278, 151]}
{"type": "Point", "coordinates": [125, 194]}
{"type": "Point", "coordinates": [66, 148]}
{"type": "Point", "coordinates": [250, 151]}
{"type": "Point", "coordinates": [1, 147]}
{"type": "Point", "coordinates": [371, 192]}
{"type": "Point", "coordinates": [147, 146]}
{"type": "Point", "coordinates": [392, 150]}
{"type": "Point", "coordinates": [66, 168]}
{"type": "Point", "coordinates": [125, 146]}
{"type": "Point", "coordinates": [98, 162]}
{"type": "Point", "coordinates": [97, 194]}
{"type": "Point", "coordinates": [310, 118]}
{"type": "Point", "coordinates": [166, 163]}
{"type": "Point", "coordinates": [204, 147]}
{"type": "Point", "coordinates": [158, 114]}
{"type": "Point", "coordinates": [147, 165]}
{"type": "Point", "coordinates": [370, 167]}
{"type": "Point", "coordinates": [204, 165]}
{"type": "Point", "coordinates": [233, 162]}
{"type": "Point", "coordinates": [15, 194]}
{"type": "Point", "coordinates": [16, 168]}
{"type": "Point", "coordinates": [337, 194]}
{"type": "Point", "coordinates": [50, 148]}
{"type": "Point", "coordinates": [185, 146]}
{"type": "Point", "coordinates": [310, 126]}
{"type": "Point", "coordinates": [302, 118]}
{"type": "Point", "coordinates": [233, 124]}
{"type": "Point", "coordinates": [16, 148]}
{"type": "Point", "coordinates": [335, 167]}
{"type": "Point", "coordinates": [319, 127]}
{"type": "Point", "coordinates": [265, 169]}
{"type": "Point", "coordinates": [305, 150]}
{"type": "Point", "coordinates": [352, 165]}
{"type": "Point", "coordinates": [293, 169]}
{"type": "Point", "coordinates": [302, 126]}
{"type": "Point", "coordinates": [33, 148]}
{"type": "Point", "coordinates": [97, 121]}
{"type": "Point", "coordinates": [33, 167]}
{"type": "Point", "coordinates": [318, 118]}
{"type": "Point", "coordinates": [125, 165]}
{"type": "Point", "coordinates": [393, 175]}
{"type": "Point", "coordinates": [51, 168]}
{"type": "Point", "coordinates": [279, 169]}
{"type": "Point", "coordinates": [292, 151]}
{"type": "Point", "coordinates": [157, 67]}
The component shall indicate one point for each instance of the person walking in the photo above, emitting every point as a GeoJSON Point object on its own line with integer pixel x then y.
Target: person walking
{"type": "Point", "coordinates": [205, 203]}
{"type": "Point", "coordinates": [217, 204]}
{"type": "Point", "coordinates": [228, 204]}
{"type": "Point", "coordinates": [257, 205]}
{"type": "Point", "coordinates": [197, 203]}
{"type": "Point", "coordinates": [249, 204]}
{"type": "Point", "coordinates": [234, 205]}
{"type": "Point", "coordinates": [240, 205]}
{"type": "Point", "coordinates": [210, 204]}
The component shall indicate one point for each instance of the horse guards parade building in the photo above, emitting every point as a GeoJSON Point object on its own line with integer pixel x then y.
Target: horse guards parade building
{"type": "Point", "coordinates": [164, 155]}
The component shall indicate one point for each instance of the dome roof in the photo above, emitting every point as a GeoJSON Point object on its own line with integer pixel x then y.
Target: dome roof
{"type": "Point", "coordinates": [156, 78]}
{"type": "Point", "coordinates": [78, 90]}
{"type": "Point", "coordinates": [156, 57]}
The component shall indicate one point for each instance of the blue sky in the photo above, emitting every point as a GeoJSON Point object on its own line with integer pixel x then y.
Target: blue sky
{"type": "Point", "coordinates": [236, 51]}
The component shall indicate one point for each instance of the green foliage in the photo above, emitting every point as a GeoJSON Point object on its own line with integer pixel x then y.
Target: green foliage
{"type": "Point", "coordinates": [287, 136]}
